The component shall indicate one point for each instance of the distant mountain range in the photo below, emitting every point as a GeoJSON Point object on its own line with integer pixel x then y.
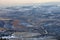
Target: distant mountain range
{"type": "Point", "coordinates": [32, 17]}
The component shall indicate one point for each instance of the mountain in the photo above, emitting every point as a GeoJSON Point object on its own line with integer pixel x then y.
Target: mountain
{"type": "Point", "coordinates": [35, 18]}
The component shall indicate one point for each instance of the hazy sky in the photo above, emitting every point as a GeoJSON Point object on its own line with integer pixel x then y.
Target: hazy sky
{"type": "Point", "coordinates": [13, 2]}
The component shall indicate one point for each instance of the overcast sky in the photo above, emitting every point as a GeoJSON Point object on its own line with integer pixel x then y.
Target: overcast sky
{"type": "Point", "coordinates": [13, 2]}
